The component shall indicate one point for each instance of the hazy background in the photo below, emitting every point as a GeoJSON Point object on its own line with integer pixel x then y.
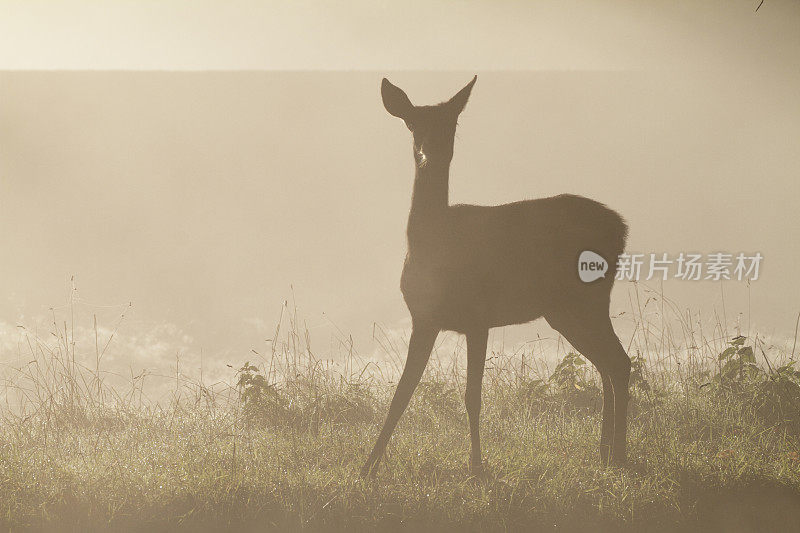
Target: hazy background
{"type": "Point", "coordinates": [195, 201]}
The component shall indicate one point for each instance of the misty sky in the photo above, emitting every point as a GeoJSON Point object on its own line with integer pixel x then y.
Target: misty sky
{"type": "Point", "coordinates": [411, 35]}
{"type": "Point", "coordinates": [202, 197]}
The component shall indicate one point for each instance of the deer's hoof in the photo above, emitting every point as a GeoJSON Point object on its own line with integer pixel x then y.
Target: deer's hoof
{"type": "Point", "coordinates": [619, 462]}
{"type": "Point", "coordinates": [477, 471]}
{"type": "Point", "coordinates": [368, 470]}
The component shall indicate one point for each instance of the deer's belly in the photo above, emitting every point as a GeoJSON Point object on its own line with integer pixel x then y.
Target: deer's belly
{"type": "Point", "coordinates": [458, 302]}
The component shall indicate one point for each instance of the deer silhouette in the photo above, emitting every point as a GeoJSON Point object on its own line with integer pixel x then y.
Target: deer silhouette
{"type": "Point", "coordinates": [470, 268]}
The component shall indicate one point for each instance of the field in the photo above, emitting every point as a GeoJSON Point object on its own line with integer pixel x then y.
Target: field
{"type": "Point", "coordinates": [713, 444]}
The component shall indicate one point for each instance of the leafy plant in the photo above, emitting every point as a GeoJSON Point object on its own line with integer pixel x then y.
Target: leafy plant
{"type": "Point", "coordinates": [569, 375]}
{"type": "Point", "coordinates": [777, 398]}
{"type": "Point", "coordinates": [260, 399]}
{"type": "Point", "coordinates": [533, 389]}
{"type": "Point", "coordinates": [774, 393]}
{"type": "Point", "coordinates": [738, 364]}
{"type": "Point", "coordinates": [637, 379]}
{"type": "Point", "coordinates": [573, 384]}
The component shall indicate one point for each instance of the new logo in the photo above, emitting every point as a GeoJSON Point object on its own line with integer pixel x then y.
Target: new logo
{"type": "Point", "coordinates": [591, 266]}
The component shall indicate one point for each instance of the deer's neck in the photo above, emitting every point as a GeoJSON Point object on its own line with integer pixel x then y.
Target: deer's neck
{"type": "Point", "coordinates": [429, 202]}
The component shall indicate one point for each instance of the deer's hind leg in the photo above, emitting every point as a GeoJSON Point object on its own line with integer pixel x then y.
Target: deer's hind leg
{"type": "Point", "coordinates": [592, 334]}
{"type": "Point", "coordinates": [607, 430]}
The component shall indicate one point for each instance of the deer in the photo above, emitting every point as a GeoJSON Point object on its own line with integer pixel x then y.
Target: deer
{"type": "Point", "coordinates": [469, 268]}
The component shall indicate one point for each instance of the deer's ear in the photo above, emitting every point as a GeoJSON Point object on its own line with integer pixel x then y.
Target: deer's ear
{"type": "Point", "coordinates": [395, 100]}
{"type": "Point", "coordinates": [458, 102]}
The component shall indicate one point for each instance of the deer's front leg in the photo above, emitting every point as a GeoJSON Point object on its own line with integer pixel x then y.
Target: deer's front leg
{"type": "Point", "coordinates": [476, 360]}
{"type": "Point", "coordinates": [419, 351]}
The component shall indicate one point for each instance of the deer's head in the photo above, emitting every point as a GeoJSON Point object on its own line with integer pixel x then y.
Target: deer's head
{"type": "Point", "coordinates": [433, 127]}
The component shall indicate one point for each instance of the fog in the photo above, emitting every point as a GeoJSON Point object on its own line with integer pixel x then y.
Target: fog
{"type": "Point", "coordinates": [205, 200]}
{"type": "Point", "coordinates": [197, 203]}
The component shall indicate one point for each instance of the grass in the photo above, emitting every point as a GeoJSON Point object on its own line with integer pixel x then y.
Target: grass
{"type": "Point", "coordinates": [713, 445]}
